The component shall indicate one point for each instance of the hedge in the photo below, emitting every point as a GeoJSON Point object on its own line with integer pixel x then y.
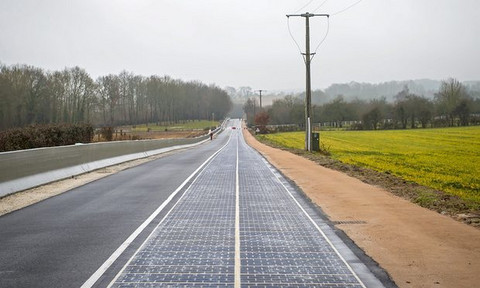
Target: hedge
{"type": "Point", "coordinates": [37, 136]}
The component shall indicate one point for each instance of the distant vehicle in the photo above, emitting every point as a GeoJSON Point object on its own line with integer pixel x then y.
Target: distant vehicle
{"type": "Point", "coordinates": [233, 127]}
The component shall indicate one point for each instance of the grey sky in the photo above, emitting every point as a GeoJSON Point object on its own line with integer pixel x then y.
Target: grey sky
{"type": "Point", "coordinates": [246, 42]}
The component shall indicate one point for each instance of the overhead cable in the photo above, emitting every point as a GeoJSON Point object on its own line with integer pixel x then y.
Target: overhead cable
{"type": "Point", "coordinates": [324, 37]}
{"type": "Point", "coordinates": [318, 7]}
{"type": "Point", "coordinates": [310, 2]}
{"type": "Point", "coordinates": [293, 38]}
{"type": "Point", "coordinates": [343, 10]}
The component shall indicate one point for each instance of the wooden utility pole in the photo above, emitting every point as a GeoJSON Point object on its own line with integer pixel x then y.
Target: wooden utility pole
{"type": "Point", "coordinates": [260, 92]}
{"type": "Point", "coordinates": [308, 90]}
{"type": "Point", "coordinates": [254, 112]}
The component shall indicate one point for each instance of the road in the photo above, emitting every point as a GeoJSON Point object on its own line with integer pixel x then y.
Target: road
{"type": "Point", "coordinates": [215, 216]}
{"type": "Point", "coordinates": [60, 242]}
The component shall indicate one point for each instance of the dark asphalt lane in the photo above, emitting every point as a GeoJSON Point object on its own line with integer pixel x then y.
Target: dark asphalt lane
{"type": "Point", "coordinates": [62, 241]}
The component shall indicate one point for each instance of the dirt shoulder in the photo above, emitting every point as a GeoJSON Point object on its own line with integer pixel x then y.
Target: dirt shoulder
{"type": "Point", "coordinates": [416, 246]}
{"type": "Point", "coordinates": [459, 209]}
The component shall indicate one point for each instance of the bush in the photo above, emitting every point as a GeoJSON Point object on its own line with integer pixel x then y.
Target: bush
{"type": "Point", "coordinates": [283, 128]}
{"type": "Point", "coordinates": [356, 126]}
{"type": "Point", "coordinates": [440, 122]}
{"type": "Point", "coordinates": [107, 133]}
{"type": "Point", "coordinates": [37, 136]}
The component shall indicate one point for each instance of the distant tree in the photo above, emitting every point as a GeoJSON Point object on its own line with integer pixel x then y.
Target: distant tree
{"type": "Point", "coordinates": [127, 97]}
{"type": "Point", "coordinates": [402, 95]}
{"type": "Point", "coordinates": [371, 120]}
{"type": "Point", "coordinates": [413, 108]}
{"type": "Point", "coordinates": [337, 111]}
{"type": "Point", "coordinates": [231, 91]}
{"type": "Point", "coordinates": [297, 114]}
{"type": "Point", "coordinates": [288, 110]}
{"type": "Point", "coordinates": [319, 97]}
{"type": "Point", "coordinates": [80, 94]}
{"type": "Point", "coordinates": [280, 111]}
{"type": "Point", "coordinates": [449, 97]}
{"type": "Point", "coordinates": [401, 107]}
{"type": "Point", "coordinates": [28, 95]}
{"type": "Point", "coordinates": [220, 102]}
{"type": "Point", "coordinates": [401, 114]}
{"type": "Point", "coordinates": [462, 110]}
{"type": "Point", "coordinates": [244, 92]}
{"type": "Point", "coordinates": [359, 108]}
{"type": "Point", "coordinates": [24, 96]}
{"type": "Point", "coordinates": [250, 110]}
{"type": "Point", "coordinates": [385, 112]}
{"type": "Point", "coordinates": [262, 119]}
{"type": "Point", "coordinates": [109, 91]}
{"type": "Point", "coordinates": [424, 110]}
{"type": "Point", "coordinates": [475, 119]}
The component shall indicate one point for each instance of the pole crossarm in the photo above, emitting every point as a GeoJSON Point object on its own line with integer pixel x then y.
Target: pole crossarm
{"type": "Point", "coordinates": [308, 15]}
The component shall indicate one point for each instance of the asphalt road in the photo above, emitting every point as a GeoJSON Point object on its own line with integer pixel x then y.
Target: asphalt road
{"type": "Point", "coordinates": [218, 215]}
{"type": "Point", "coordinates": [62, 241]}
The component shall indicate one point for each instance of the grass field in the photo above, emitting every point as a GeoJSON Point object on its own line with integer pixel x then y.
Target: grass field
{"type": "Point", "coordinates": [445, 159]}
{"type": "Point", "coordinates": [188, 125]}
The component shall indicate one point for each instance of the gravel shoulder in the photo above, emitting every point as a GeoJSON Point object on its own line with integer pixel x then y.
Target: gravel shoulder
{"type": "Point", "coordinates": [418, 247]}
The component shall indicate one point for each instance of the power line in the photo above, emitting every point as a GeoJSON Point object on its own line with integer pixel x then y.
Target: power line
{"type": "Point", "coordinates": [304, 6]}
{"type": "Point", "coordinates": [298, 46]}
{"type": "Point", "coordinates": [323, 40]}
{"type": "Point", "coordinates": [293, 38]}
{"type": "Point", "coordinates": [318, 7]}
{"type": "Point", "coordinates": [343, 10]}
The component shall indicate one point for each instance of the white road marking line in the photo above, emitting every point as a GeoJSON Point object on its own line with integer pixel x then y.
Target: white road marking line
{"type": "Point", "coordinates": [102, 269]}
{"type": "Point", "coordinates": [156, 227]}
{"type": "Point", "coordinates": [237, 225]}
{"type": "Point", "coordinates": [273, 171]}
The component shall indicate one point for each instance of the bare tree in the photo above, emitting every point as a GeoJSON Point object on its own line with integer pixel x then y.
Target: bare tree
{"type": "Point", "coordinates": [29, 95]}
{"type": "Point", "coordinates": [449, 97]}
{"type": "Point", "coordinates": [109, 92]}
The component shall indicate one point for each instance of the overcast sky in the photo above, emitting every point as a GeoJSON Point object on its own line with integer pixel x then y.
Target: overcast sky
{"type": "Point", "coordinates": [246, 42]}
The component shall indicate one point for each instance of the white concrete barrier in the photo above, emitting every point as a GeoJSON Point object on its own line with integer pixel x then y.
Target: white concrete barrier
{"type": "Point", "coordinates": [24, 169]}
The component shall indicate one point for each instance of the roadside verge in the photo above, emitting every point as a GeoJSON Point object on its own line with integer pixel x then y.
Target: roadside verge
{"type": "Point", "coordinates": [416, 246]}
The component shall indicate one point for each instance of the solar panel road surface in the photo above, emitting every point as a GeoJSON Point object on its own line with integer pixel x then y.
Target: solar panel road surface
{"type": "Point", "coordinates": [241, 224]}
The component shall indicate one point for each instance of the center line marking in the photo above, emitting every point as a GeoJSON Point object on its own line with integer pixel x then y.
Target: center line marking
{"type": "Point", "coordinates": [106, 265]}
{"type": "Point", "coordinates": [237, 226]}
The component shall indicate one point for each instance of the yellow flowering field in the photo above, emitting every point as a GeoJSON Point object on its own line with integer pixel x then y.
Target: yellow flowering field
{"type": "Point", "coordinates": [445, 159]}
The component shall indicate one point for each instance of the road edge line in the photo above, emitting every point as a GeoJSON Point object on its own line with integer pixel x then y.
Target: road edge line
{"type": "Point", "coordinates": [104, 267]}
{"type": "Point", "coordinates": [272, 170]}
{"type": "Point", "coordinates": [237, 225]}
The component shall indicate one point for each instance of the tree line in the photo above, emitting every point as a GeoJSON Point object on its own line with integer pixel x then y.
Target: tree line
{"type": "Point", "coordinates": [452, 105]}
{"type": "Point", "coordinates": [30, 95]}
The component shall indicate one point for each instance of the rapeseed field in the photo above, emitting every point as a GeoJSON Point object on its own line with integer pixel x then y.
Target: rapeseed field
{"type": "Point", "coordinates": [445, 159]}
